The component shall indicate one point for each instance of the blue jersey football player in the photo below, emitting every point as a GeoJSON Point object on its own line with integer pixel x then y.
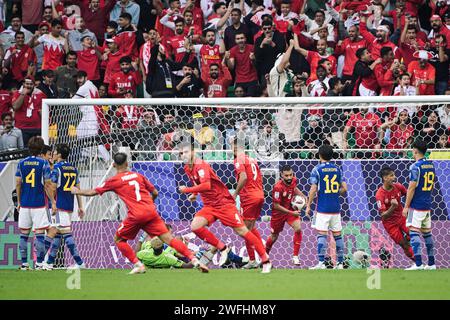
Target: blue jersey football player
{"type": "Point", "coordinates": [327, 182]}
{"type": "Point", "coordinates": [33, 185]}
{"type": "Point", "coordinates": [64, 176]}
{"type": "Point", "coordinates": [418, 205]}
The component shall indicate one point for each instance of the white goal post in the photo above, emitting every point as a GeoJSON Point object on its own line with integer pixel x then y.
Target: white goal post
{"type": "Point", "coordinates": [278, 131]}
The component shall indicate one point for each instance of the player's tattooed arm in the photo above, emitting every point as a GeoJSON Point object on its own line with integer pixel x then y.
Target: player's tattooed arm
{"type": "Point", "coordinates": [311, 196]}
{"type": "Point", "coordinates": [86, 193]}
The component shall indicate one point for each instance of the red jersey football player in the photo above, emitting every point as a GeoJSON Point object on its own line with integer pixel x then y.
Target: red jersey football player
{"type": "Point", "coordinates": [138, 194]}
{"type": "Point", "coordinates": [282, 211]}
{"type": "Point", "coordinates": [390, 206]}
{"type": "Point", "coordinates": [250, 191]}
{"type": "Point", "coordinates": [218, 204]}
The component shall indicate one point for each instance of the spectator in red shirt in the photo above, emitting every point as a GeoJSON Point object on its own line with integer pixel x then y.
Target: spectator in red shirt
{"type": "Point", "coordinates": [112, 57]}
{"type": "Point", "coordinates": [438, 28]}
{"type": "Point", "coordinates": [241, 59]}
{"type": "Point", "coordinates": [27, 104]}
{"type": "Point", "coordinates": [197, 14]}
{"type": "Point", "coordinates": [96, 17]}
{"type": "Point", "coordinates": [347, 48]}
{"type": "Point", "coordinates": [409, 43]}
{"type": "Point", "coordinates": [313, 58]}
{"type": "Point", "coordinates": [128, 116]}
{"type": "Point", "coordinates": [422, 73]}
{"type": "Point", "coordinates": [380, 40]}
{"type": "Point", "coordinates": [210, 52]}
{"type": "Point", "coordinates": [401, 133]}
{"type": "Point", "coordinates": [176, 44]}
{"type": "Point", "coordinates": [386, 72]}
{"type": "Point", "coordinates": [128, 78]}
{"type": "Point", "coordinates": [89, 59]}
{"type": "Point", "coordinates": [364, 80]}
{"type": "Point", "coordinates": [127, 37]}
{"type": "Point", "coordinates": [366, 126]}
{"type": "Point", "coordinates": [216, 83]}
{"type": "Point", "coordinates": [20, 59]}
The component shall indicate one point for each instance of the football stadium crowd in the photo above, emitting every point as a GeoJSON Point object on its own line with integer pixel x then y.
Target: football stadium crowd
{"type": "Point", "coordinates": [53, 49]}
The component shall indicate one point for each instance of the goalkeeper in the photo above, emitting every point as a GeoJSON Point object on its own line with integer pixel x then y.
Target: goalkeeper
{"type": "Point", "coordinates": [153, 255]}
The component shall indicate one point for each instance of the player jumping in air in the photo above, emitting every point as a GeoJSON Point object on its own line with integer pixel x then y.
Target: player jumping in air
{"type": "Point", "coordinates": [283, 193]}
{"type": "Point", "coordinates": [139, 195]}
{"type": "Point", "coordinates": [388, 199]}
{"type": "Point", "coordinates": [250, 191]}
{"type": "Point", "coordinates": [418, 205]}
{"type": "Point", "coordinates": [327, 181]}
{"type": "Point", "coordinates": [218, 204]}
{"type": "Point", "coordinates": [64, 176]}
{"type": "Point", "coordinates": [33, 185]}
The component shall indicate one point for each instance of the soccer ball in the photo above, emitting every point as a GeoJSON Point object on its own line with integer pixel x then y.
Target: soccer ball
{"type": "Point", "coordinates": [361, 258]}
{"type": "Point", "coordinates": [298, 202]}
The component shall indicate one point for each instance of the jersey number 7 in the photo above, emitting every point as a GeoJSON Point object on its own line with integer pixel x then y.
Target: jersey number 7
{"type": "Point", "coordinates": [136, 189]}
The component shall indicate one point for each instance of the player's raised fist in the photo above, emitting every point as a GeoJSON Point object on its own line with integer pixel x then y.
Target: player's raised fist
{"type": "Point", "coordinates": [182, 189]}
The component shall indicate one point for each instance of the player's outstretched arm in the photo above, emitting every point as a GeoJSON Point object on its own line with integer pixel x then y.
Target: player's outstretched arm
{"type": "Point", "coordinates": [86, 193]}
{"type": "Point", "coordinates": [80, 204]}
{"type": "Point", "coordinates": [409, 196]}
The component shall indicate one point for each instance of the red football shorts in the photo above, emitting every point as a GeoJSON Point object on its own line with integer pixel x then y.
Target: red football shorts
{"type": "Point", "coordinates": [397, 230]}
{"type": "Point", "coordinates": [251, 210]}
{"type": "Point", "coordinates": [152, 223]}
{"type": "Point", "coordinates": [278, 220]}
{"type": "Point", "coordinates": [227, 214]}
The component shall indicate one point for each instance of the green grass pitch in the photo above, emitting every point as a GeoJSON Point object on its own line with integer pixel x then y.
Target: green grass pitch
{"type": "Point", "coordinates": [225, 284]}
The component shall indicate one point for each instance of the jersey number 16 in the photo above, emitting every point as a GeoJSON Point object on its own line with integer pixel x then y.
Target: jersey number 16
{"type": "Point", "coordinates": [331, 185]}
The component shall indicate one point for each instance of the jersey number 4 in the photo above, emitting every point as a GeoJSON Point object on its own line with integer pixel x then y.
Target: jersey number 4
{"type": "Point", "coordinates": [31, 178]}
{"type": "Point", "coordinates": [331, 185]}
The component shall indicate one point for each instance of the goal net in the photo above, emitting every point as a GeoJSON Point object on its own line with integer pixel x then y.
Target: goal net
{"type": "Point", "coordinates": [367, 133]}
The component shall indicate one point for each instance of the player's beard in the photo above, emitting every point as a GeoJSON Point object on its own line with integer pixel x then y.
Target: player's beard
{"type": "Point", "coordinates": [288, 182]}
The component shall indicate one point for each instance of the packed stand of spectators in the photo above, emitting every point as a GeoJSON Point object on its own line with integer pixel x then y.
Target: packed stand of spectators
{"type": "Point", "coordinates": [53, 49]}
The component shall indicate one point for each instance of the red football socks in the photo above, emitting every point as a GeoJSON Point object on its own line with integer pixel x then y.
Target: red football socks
{"type": "Point", "coordinates": [127, 251]}
{"type": "Point", "coordinates": [269, 244]}
{"type": "Point", "coordinates": [209, 237]}
{"type": "Point", "coordinates": [181, 248]}
{"type": "Point", "coordinates": [257, 243]}
{"type": "Point", "coordinates": [297, 242]}
{"type": "Point", "coordinates": [250, 248]}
